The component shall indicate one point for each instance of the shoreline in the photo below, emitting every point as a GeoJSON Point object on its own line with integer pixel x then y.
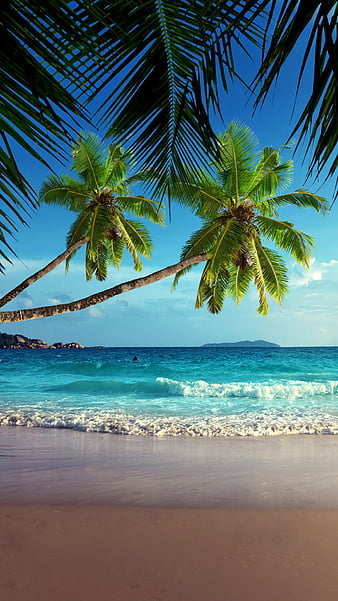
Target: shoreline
{"type": "Point", "coordinates": [52, 466]}
{"type": "Point", "coordinates": [94, 516]}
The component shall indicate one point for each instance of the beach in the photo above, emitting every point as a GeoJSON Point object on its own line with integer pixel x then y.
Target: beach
{"type": "Point", "coordinates": [94, 516]}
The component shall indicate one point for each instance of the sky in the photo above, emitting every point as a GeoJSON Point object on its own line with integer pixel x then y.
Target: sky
{"type": "Point", "coordinates": [155, 315]}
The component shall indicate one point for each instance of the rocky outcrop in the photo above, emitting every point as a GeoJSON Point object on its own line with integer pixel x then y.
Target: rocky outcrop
{"type": "Point", "coordinates": [19, 341]}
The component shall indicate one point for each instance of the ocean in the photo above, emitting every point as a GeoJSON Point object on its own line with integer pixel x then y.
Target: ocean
{"type": "Point", "coordinates": [200, 391]}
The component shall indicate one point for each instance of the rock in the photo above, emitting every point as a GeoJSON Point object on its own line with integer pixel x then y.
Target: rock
{"type": "Point", "coordinates": [15, 341]}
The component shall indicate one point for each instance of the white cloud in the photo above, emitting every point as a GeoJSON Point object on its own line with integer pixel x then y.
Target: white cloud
{"type": "Point", "coordinates": [25, 300]}
{"type": "Point", "coordinates": [59, 299]}
{"type": "Point", "coordinates": [316, 272]}
{"type": "Point", "coordinates": [97, 312]}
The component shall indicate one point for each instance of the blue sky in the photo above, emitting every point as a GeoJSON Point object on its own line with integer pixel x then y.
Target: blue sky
{"type": "Point", "coordinates": [155, 316]}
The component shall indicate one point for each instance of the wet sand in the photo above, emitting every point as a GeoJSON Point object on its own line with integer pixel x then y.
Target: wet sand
{"type": "Point", "coordinates": [86, 517]}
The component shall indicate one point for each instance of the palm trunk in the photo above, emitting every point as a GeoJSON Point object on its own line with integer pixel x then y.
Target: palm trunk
{"type": "Point", "coordinates": [100, 297]}
{"type": "Point", "coordinates": [39, 274]}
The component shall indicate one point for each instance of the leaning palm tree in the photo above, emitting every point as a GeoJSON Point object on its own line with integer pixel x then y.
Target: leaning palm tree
{"type": "Point", "coordinates": [102, 200]}
{"type": "Point", "coordinates": [239, 209]}
{"type": "Point", "coordinates": [103, 203]}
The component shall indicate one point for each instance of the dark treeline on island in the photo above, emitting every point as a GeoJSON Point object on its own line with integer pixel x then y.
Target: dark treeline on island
{"type": "Point", "coordinates": [19, 341]}
{"type": "Point", "coordinates": [244, 343]}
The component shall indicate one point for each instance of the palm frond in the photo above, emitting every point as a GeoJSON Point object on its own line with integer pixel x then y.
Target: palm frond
{"type": "Point", "coordinates": [318, 121]}
{"type": "Point", "coordinates": [79, 228]}
{"type": "Point", "coordinates": [283, 233]}
{"type": "Point", "coordinates": [117, 164]}
{"type": "Point", "coordinates": [200, 192]}
{"type": "Point", "coordinates": [117, 248]}
{"type": "Point", "coordinates": [238, 155]}
{"type": "Point", "coordinates": [302, 199]}
{"type": "Point", "coordinates": [213, 292]}
{"type": "Point", "coordinates": [88, 160]}
{"type": "Point", "coordinates": [239, 281]}
{"type": "Point", "coordinates": [160, 46]}
{"type": "Point", "coordinates": [42, 55]}
{"type": "Point", "coordinates": [100, 216]}
{"type": "Point", "coordinates": [259, 280]}
{"type": "Point", "coordinates": [274, 271]}
{"type": "Point", "coordinates": [270, 175]}
{"type": "Point", "coordinates": [232, 235]}
{"type": "Point", "coordinates": [139, 235]}
{"type": "Point", "coordinates": [178, 276]}
{"type": "Point", "coordinates": [133, 240]}
{"type": "Point", "coordinates": [202, 240]}
{"type": "Point", "coordinates": [97, 262]}
{"type": "Point", "coordinates": [63, 190]}
{"type": "Point", "coordinates": [142, 207]}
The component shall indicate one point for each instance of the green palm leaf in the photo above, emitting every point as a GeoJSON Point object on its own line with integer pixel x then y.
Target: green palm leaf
{"type": "Point", "coordinates": [318, 121]}
{"type": "Point", "coordinates": [259, 280]}
{"type": "Point", "coordinates": [200, 192]}
{"type": "Point", "coordinates": [116, 166]}
{"type": "Point", "coordinates": [139, 236]}
{"type": "Point", "coordinates": [231, 237]}
{"type": "Point", "coordinates": [103, 205]}
{"type": "Point", "coordinates": [298, 244]}
{"type": "Point", "coordinates": [141, 206]}
{"type": "Point", "coordinates": [88, 160]}
{"type": "Point", "coordinates": [213, 291]}
{"type": "Point", "coordinates": [41, 61]}
{"type": "Point", "coordinates": [270, 274]}
{"type": "Point", "coordinates": [202, 240]}
{"type": "Point", "coordinates": [117, 248]}
{"type": "Point", "coordinates": [302, 199]}
{"type": "Point", "coordinates": [97, 262]}
{"type": "Point", "coordinates": [100, 216]}
{"type": "Point", "coordinates": [270, 175]}
{"type": "Point", "coordinates": [237, 147]}
{"type": "Point", "coordinates": [178, 276]}
{"type": "Point", "coordinates": [239, 281]}
{"type": "Point", "coordinates": [63, 190]}
{"type": "Point", "coordinates": [162, 48]}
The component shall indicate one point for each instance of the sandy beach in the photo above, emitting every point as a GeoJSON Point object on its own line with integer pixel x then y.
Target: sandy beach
{"type": "Point", "coordinates": [90, 516]}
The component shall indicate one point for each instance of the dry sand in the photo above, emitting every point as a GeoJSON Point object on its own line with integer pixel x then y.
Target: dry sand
{"type": "Point", "coordinates": [92, 517]}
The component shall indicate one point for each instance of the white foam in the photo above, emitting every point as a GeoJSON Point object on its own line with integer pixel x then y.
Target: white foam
{"type": "Point", "coordinates": [291, 390]}
{"type": "Point", "coordinates": [266, 423]}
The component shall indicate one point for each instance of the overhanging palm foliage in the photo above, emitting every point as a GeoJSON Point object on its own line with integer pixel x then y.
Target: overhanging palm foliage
{"type": "Point", "coordinates": [173, 59]}
{"type": "Point", "coordinates": [101, 198]}
{"type": "Point", "coordinates": [160, 65]}
{"type": "Point", "coordinates": [318, 121]}
{"type": "Point", "coordinates": [41, 63]}
{"type": "Point", "coordinates": [239, 210]}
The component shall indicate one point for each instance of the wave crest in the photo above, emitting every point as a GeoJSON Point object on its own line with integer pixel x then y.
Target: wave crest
{"type": "Point", "coordinates": [265, 390]}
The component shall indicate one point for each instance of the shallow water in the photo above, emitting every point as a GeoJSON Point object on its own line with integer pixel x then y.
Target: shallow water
{"type": "Point", "coordinates": [59, 466]}
{"type": "Point", "coordinates": [172, 391]}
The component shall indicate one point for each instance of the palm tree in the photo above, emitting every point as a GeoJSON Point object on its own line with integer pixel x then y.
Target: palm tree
{"type": "Point", "coordinates": [239, 209]}
{"type": "Point", "coordinates": [102, 200]}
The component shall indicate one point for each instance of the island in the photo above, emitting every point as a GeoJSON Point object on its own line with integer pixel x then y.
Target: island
{"type": "Point", "coordinates": [15, 341]}
{"type": "Point", "coordinates": [244, 344]}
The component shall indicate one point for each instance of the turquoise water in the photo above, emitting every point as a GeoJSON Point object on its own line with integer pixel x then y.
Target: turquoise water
{"type": "Point", "coordinates": [172, 391]}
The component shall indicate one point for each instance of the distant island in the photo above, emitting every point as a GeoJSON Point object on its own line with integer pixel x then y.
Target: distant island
{"type": "Point", "coordinates": [244, 343]}
{"type": "Point", "coordinates": [19, 341]}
